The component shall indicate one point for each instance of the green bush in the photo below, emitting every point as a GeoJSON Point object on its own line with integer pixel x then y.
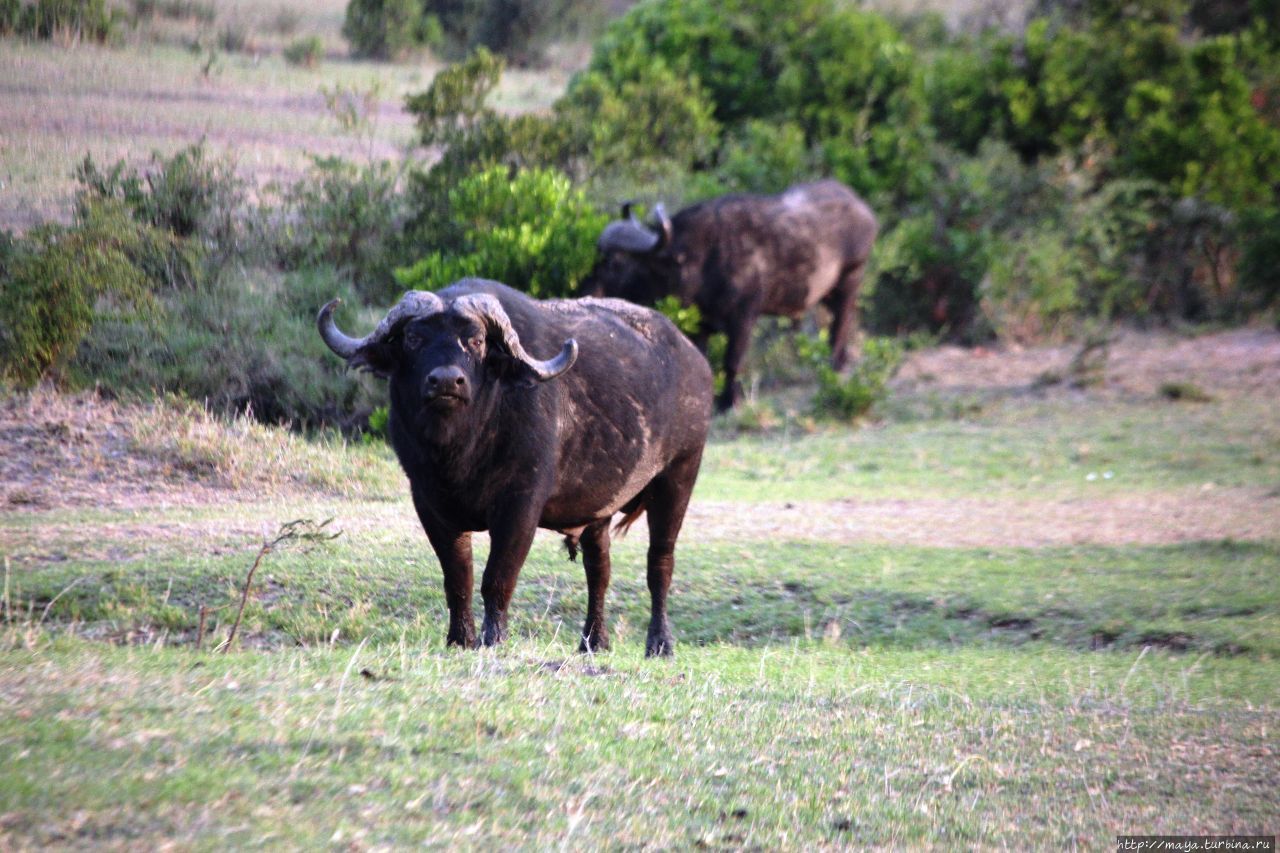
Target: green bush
{"type": "Point", "coordinates": [388, 29]}
{"type": "Point", "coordinates": [306, 51]}
{"type": "Point", "coordinates": [851, 397]}
{"type": "Point", "coordinates": [347, 216]}
{"type": "Point", "coordinates": [62, 280]}
{"type": "Point", "coordinates": [1177, 111]}
{"type": "Point", "coordinates": [240, 343]}
{"type": "Point", "coordinates": [518, 30]}
{"type": "Point", "coordinates": [765, 157]}
{"type": "Point", "coordinates": [67, 21]}
{"type": "Point", "coordinates": [188, 194]}
{"type": "Point", "coordinates": [843, 76]}
{"type": "Point", "coordinates": [1260, 256]}
{"type": "Point", "coordinates": [926, 269]}
{"type": "Point", "coordinates": [966, 88]}
{"type": "Point", "coordinates": [656, 123]}
{"type": "Point", "coordinates": [452, 116]}
{"type": "Point", "coordinates": [1031, 291]}
{"type": "Point", "coordinates": [532, 231]}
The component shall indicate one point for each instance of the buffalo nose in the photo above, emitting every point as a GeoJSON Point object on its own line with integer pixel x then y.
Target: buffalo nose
{"type": "Point", "coordinates": [446, 380]}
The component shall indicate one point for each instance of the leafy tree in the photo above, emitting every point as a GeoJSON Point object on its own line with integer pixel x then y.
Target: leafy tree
{"type": "Point", "coordinates": [532, 231]}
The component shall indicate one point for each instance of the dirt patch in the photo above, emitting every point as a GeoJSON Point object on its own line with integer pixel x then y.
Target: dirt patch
{"type": "Point", "coordinates": [1171, 517]}
{"type": "Point", "coordinates": [1234, 363]}
{"type": "Point", "coordinates": [1187, 515]}
{"type": "Point", "coordinates": [61, 450]}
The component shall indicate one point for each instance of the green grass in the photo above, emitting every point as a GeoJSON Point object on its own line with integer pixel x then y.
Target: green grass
{"type": "Point", "coordinates": [790, 747]}
{"type": "Point", "coordinates": [1017, 447]}
{"type": "Point", "coordinates": [1217, 597]}
{"type": "Point", "coordinates": [825, 693]}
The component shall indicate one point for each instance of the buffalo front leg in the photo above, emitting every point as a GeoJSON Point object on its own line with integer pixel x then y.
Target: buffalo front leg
{"type": "Point", "coordinates": [453, 550]}
{"type": "Point", "coordinates": [843, 304]}
{"type": "Point", "coordinates": [511, 530]}
{"type": "Point", "coordinates": [595, 559]}
{"type": "Point", "coordinates": [668, 499]}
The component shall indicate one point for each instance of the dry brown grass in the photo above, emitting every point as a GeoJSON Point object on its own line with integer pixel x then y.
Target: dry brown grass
{"type": "Point", "coordinates": [79, 450]}
{"type": "Point", "coordinates": [58, 105]}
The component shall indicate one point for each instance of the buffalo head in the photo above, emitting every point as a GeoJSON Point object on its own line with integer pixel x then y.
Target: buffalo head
{"type": "Point", "coordinates": [635, 262]}
{"type": "Point", "coordinates": [440, 357]}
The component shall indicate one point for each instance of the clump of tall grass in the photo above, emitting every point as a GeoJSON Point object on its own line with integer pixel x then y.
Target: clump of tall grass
{"type": "Point", "coordinates": [238, 452]}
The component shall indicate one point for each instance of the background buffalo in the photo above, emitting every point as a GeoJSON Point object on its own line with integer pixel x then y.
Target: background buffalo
{"type": "Point", "coordinates": [739, 256]}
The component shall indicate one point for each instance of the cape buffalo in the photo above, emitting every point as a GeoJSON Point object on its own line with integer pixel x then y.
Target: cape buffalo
{"type": "Point", "coordinates": [491, 438]}
{"type": "Point", "coordinates": [739, 256]}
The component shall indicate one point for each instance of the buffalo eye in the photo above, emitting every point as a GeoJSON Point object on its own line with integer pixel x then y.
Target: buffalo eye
{"type": "Point", "coordinates": [412, 340]}
{"type": "Point", "coordinates": [477, 343]}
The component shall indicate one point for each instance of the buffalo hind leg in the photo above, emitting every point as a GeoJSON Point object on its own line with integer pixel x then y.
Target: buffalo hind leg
{"type": "Point", "coordinates": [738, 340]}
{"type": "Point", "coordinates": [666, 504]}
{"type": "Point", "coordinates": [595, 559]}
{"type": "Point", "coordinates": [843, 304]}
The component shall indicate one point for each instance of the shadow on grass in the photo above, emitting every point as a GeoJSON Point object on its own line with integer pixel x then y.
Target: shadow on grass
{"type": "Point", "coordinates": [1220, 598]}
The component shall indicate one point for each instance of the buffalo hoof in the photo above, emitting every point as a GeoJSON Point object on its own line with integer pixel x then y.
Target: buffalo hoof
{"type": "Point", "coordinates": [660, 647]}
{"type": "Point", "coordinates": [465, 639]}
{"type": "Point", "coordinates": [494, 631]}
{"type": "Point", "coordinates": [729, 397]}
{"type": "Point", "coordinates": [599, 642]}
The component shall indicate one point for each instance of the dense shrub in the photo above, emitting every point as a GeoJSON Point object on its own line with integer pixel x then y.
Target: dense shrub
{"type": "Point", "coordinates": [852, 396]}
{"type": "Point", "coordinates": [60, 280]}
{"type": "Point", "coordinates": [347, 216]}
{"type": "Point", "coordinates": [237, 344]}
{"type": "Point", "coordinates": [518, 30]}
{"type": "Point", "coordinates": [388, 29]}
{"type": "Point", "coordinates": [189, 194]}
{"type": "Point", "coordinates": [926, 270]}
{"type": "Point", "coordinates": [765, 157]}
{"type": "Point", "coordinates": [1178, 112]}
{"type": "Point", "coordinates": [453, 117]}
{"type": "Point", "coordinates": [306, 51]}
{"type": "Point", "coordinates": [1260, 256]}
{"type": "Point", "coordinates": [67, 21]}
{"type": "Point", "coordinates": [656, 123]}
{"type": "Point", "coordinates": [532, 231]}
{"type": "Point", "coordinates": [1031, 290]}
{"type": "Point", "coordinates": [843, 76]}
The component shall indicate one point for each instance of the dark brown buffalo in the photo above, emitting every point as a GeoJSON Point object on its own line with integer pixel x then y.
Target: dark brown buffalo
{"type": "Point", "coordinates": [494, 439]}
{"type": "Point", "coordinates": [739, 256]}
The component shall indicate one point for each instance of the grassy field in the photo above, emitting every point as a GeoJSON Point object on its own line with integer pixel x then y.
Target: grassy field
{"type": "Point", "coordinates": [1007, 613]}
{"type": "Point", "coordinates": [998, 617]}
{"type": "Point", "coordinates": [171, 86]}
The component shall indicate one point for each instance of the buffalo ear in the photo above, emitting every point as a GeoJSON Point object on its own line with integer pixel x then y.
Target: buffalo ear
{"type": "Point", "coordinates": [505, 367]}
{"type": "Point", "coordinates": [377, 358]}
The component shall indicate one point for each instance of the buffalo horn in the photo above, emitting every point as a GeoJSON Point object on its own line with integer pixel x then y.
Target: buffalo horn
{"type": "Point", "coordinates": [627, 235]}
{"type": "Point", "coordinates": [664, 222]}
{"type": "Point", "coordinates": [489, 311]}
{"type": "Point", "coordinates": [415, 303]}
